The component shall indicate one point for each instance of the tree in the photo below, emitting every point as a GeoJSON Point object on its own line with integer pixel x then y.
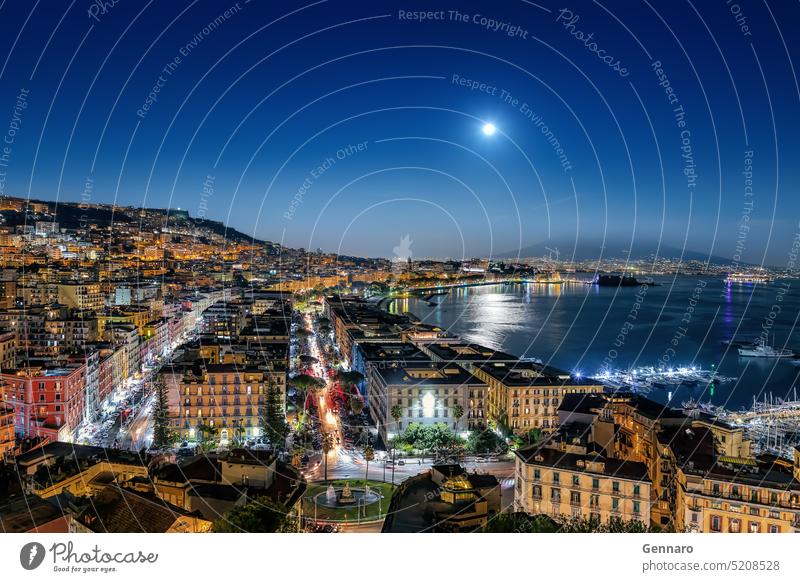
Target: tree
{"type": "Point", "coordinates": [397, 413]}
{"type": "Point", "coordinates": [593, 525]}
{"type": "Point", "coordinates": [163, 435]}
{"type": "Point", "coordinates": [307, 360]}
{"type": "Point", "coordinates": [427, 436]}
{"type": "Point", "coordinates": [356, 404]}
{"type": "Point", "coordinates": [369, 454]}
{"type": "Point", "coordinates": [303, 383]}
{"type": "Point", "coordinates": [520, 523]}
{"type": "Point", "coordinates": [262, 515]}
{"type": "Point", "coordinates": [458, 412]}
{"type": "Point", "coordinates": [327, 446]}
{"type": "Point", "coordinates": [349, 378]}
{"type": "Point", "coordinates": [206, 435]}
{"type": "Point", "coordinates": [273, 416]}
{"type": "Point", "coordinates": [485, 441]}
{"type": "Point", "coordinates": [324, 325]}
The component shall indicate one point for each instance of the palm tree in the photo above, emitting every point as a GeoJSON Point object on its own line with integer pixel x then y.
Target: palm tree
{"type": "Point", "coordinates": [369, 454]}
{"type": "Point", "coordinates": [458, 412]}
{"type": "Point", "coordinates": [397, 413]}
{"type": "Point", "coordinates": [205, 433]}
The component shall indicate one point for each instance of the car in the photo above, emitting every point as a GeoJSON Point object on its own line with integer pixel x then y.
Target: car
{"type": "Point", "coordinates": [401, 462]}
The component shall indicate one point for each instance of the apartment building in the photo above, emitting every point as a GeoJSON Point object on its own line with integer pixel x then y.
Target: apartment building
{"type": "Point", "coordinates": [427, 393]}
{"type": "Point", "coordinates": [577, 483]}
{"type": "Point", "coordinates": [223, 396]}
{"type": "Point", "coordinates": [47, 400]}
{"type": "Point", "coordinates": [81, 295]}
{"type": "Point", "coordinates": [525, 395]}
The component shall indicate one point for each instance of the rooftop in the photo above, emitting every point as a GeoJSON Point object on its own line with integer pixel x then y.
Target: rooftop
{"type": "Point", "coordinates": [589, 463]}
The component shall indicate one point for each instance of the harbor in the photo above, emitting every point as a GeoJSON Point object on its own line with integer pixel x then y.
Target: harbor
{"type": "Point", "coordinates": [772, 424]}
{"type": "Point", "coordinates": [645, 379]}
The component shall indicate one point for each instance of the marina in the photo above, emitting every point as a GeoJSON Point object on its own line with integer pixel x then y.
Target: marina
{"type": "Point", "coordinates": [772, 424]}
{"type": "Point", "coordinates": [645, 379]}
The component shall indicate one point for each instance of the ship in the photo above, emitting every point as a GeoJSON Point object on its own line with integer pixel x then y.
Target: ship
{"type": "Point", "coordinates": [760, 349]}
{"type": "Point", "coordinates": [619, 281]}
{"type": "Point", "coordinates": [751, 278]}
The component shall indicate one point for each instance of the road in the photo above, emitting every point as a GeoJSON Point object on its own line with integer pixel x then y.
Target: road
{"type": "Point", "coordinates": [136, 394]}
{"type": "Point", "coordinates": [344, 463]}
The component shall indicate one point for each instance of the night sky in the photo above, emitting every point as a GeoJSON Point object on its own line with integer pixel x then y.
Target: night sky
{"type": "Point", "coordinates": [661, 125]}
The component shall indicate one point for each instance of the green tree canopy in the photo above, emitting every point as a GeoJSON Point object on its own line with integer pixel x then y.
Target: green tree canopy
{"type": "Point", "coordinates": [485, 441]}
{"type": "Point", "coordinates": [262, 515]}
{"type": "Point", "coordinates": [427, 436]}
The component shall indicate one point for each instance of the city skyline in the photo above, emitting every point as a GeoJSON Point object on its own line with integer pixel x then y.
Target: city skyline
{"type": "Point", "coordinates": [325, 266]}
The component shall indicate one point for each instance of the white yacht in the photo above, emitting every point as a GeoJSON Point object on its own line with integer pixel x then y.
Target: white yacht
{"type": "Point", "coordinates": [761, 350]}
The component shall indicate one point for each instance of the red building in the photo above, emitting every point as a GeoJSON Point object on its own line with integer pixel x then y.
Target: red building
{"type": "Point", "coordinates": [105, 376]}
{"type": "Point", "coordinates": [7, 440]}
{"type": "Point", "coordinates": [47, 401]}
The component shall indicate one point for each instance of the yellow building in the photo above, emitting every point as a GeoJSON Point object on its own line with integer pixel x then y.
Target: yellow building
{"type": "Point", "coordinates": [526, 395]}
{"type": "Point", "coordinates": [561, 483]}
{"type": "Point", "coordinates": [714, 491]}
{"type": "Point", "coordinates": [81, 295]}
{"type": "Point", "coordinates": [224, 397]}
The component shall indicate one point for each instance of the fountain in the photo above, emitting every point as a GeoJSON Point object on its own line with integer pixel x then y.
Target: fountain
{"type": "Point", "coordinates": [346, 496]}
{"type": "Point", "coordinates": [330, 495]}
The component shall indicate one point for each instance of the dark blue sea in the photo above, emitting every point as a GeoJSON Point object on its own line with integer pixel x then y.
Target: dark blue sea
{"type": "Point", "coordinates": [682, 321]}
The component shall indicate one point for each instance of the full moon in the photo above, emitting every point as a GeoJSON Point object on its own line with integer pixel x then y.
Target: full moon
{"type": "Point", "coordinates": [489, 129]}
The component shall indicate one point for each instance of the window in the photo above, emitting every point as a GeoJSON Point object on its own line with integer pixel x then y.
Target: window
{"type": "Point", "coordinates": [716, 523]}
{"type": "Point", "coordinates": [555, 495]}
{"type": "Point", "coordinates": [615, 486]}
{"type": "Point", "coordinates": [556, 478]}
{"type": "Point", "coordinates": [774, 529]}
{"type": "Point", "coordinates": [735, 526]}
{"type": "Point", "coordinates": [637, 507]}
{"type": "Point", "coordinates": [694, 517]}
{"type": "Point", "coordinates": [595, 484]}
{"type": "Point", "coordinates": [753, 527]}
{"type": "Point", "coordinates": [537, 474]}
{"type": "Point", "coordinates": [536, 492]}
{"type": "Point", "coordinates": [575, 497]}
{"type": "Point", "coordinates": [614, 504]}
{"type": "Point", "coordinates": [576, 481]}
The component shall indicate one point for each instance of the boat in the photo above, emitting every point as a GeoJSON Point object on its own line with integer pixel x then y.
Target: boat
{"type": "Point", "coordinates": [750, 278]}
{"type": "Point", "coordinates": [761, 350]}
{"type": "Point", "coordinates": [619, 281]}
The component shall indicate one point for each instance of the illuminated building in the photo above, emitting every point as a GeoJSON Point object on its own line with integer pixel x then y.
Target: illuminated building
{"type": "Point", "coordinates": [81, 295]}
{"type": "Point", "coordinates": [582, 484]}
{"type": "Point", "coordinates": [47, 401]}
{"type": "Point", "coordinates": [427, 393]}
{"type": "Point", "coordinates": [225, 397]}
{"type": "Point", "coordinates": [526, 395]}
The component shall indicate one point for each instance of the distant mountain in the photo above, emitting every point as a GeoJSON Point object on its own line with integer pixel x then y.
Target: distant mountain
{"type": "Point", "coordinates": [588, 250]}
